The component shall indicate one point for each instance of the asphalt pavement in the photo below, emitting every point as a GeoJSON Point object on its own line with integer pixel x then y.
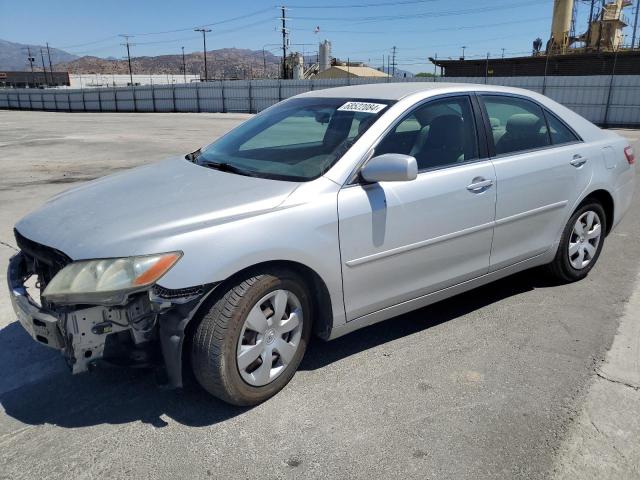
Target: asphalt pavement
{"type": "Point", "coordinates": [489, 384]}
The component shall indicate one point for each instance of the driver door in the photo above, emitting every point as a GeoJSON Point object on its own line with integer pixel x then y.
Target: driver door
{"type": "Point", "coordinates": [403, 240]}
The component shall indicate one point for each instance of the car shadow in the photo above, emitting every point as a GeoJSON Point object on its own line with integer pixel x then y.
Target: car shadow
{"type": "Point", "coordinates": [38, 389]}
{"type": "Point", "coordinates": [320, 353]}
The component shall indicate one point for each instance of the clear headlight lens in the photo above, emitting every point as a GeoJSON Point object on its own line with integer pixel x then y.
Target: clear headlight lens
{"type": "Point", "coordinates": [109, 275]}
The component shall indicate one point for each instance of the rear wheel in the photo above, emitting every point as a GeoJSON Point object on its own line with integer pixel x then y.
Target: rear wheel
{"type": "Point", "coordinates": [580, 244]}
{"type": "Point", "coordinates": [250, 342]}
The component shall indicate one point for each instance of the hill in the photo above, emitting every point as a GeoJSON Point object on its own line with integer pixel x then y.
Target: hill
{"type": "Point", "coordinates": [13, 56]}
{"type": "Point", "coordinates": [227, 62]}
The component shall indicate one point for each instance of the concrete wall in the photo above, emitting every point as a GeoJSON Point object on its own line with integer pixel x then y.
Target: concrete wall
{"type": "Point", "coordinates": [603, 99]}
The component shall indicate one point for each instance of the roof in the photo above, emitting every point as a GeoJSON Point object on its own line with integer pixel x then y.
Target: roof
{"type": "Point", "coordinates": [396, 91]}
{"type": "Point", "coordinates": [337, 71]}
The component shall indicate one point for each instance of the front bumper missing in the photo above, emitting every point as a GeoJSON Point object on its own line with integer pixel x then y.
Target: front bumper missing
{"type": "Point", "coordinates": [129, 333]}
{"type": "Point", "coordinates": [87, 333]}
{"type": "Point", "coordinates": [40, 324]}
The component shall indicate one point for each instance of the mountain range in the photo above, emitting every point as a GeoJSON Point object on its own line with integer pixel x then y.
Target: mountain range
{"type": "Point", "coordinates": [221, 63]}
{"type": "Point", "coordinates": [14, 56]}
{"type": "Point", "coordinates": [225, 62]}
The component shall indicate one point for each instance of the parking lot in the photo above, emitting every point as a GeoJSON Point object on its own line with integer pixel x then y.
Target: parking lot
{"type": "Point", "coordinates": [488, 384]}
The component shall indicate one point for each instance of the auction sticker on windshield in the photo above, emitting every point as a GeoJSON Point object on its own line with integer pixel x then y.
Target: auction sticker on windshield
{"type": "Point", "coordinates": [364, 107]}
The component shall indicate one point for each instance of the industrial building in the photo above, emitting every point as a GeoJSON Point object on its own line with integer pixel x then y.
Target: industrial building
{"type": "Point", "coordinates": [579, 63]}
{"type": "Point", "coordinates": [102, 80]}
{"type": "Point", "coordinates": [348, 71]}
{"type": "Point", "coordinates": [12, 79]}
{"type": "Point", "coordinates": [326, 66]}
{"type": "Point", "coordinates": [599, 50]}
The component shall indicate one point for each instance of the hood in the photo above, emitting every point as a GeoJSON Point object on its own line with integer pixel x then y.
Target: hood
{"type": "Point", "coordinates": [133, 212]}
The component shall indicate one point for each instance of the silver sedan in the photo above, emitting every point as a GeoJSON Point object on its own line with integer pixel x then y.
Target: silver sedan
{"type": "Point", "coordinates": [323, 214]}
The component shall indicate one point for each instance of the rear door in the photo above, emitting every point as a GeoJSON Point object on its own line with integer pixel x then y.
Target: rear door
{"type": "Point", "coordinates": [401, 240]}
{"type": "Point", "coordinates": [541, 166]}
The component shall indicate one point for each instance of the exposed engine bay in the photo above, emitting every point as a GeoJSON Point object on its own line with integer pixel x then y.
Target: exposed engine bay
{"type": "Point", "coordinates": [145, 328]}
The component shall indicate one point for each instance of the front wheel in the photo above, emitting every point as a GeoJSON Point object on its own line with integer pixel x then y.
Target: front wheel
{"type": "Point", "coordinates": [580, 244]}
{"type": "Point", "coordinates": [250, 342]}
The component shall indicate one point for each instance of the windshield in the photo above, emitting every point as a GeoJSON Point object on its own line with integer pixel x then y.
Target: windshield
{"type": "Point", "coordinates": [297, 140]}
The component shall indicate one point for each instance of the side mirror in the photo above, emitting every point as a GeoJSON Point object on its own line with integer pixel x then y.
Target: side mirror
{"type": "Point", "coordinates": [390, 167]}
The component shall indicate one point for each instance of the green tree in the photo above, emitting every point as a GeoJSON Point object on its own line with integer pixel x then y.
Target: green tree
{"type": "Point", "coordinates": [425, 74]}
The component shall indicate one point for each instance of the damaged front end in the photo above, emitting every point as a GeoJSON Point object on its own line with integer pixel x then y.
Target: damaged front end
{"type": "Point", "coordinates": [142, 327]}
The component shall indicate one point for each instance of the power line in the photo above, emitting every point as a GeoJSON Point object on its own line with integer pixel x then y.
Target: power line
{"type": "Point", "coordinates": [444, 29]}
{"type": "Point", "coordinates": [220, 22]}
{"type": "Point", "coordinates": [431, 14]}
{"type": "Point", "coordinates": [363, 5]}
{"type": "Point", "coordinates": [104, 39]}
{"type": "Point", "coordinates": [89, 43]}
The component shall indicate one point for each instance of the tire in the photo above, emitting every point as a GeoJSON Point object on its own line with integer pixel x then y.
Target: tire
{"type": "Point", "coordinates": [564, 266]}
{"type": "Point", "coordinates": [229, 325]}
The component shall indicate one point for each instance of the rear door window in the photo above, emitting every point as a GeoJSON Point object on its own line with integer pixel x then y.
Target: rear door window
{"type": "Point", "coordinates": [560, 133]}
{"type": "Point", "coordinates": [517, 124]}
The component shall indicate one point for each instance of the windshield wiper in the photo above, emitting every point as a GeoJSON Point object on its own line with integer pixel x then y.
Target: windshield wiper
{"type": "Point", "coordinates": [225, 167]}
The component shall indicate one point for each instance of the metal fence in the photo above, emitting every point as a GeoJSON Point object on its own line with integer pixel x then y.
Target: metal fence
{"type": "Point", "coordinates": [604, 99]}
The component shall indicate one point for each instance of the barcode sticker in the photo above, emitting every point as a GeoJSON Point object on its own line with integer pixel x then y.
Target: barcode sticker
{"type": "Point", "coordinates": [364, 107]}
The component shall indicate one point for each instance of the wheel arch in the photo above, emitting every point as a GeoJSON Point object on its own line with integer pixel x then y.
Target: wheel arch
{"type": "Point", "coordinates": [319, 293]}
{"type": "Point", "coordinates": [606, 200]}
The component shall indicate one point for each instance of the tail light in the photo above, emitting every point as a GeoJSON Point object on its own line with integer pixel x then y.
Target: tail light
{"type": "Point", "coordinates": [628, 152]}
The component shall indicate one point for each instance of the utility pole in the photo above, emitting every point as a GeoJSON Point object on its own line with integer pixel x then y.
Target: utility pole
{"type": "Point", "coordinates": [393, 61]}
{"type": "Point", "coordinates": [590, 21]}
{"type": "Point", "coordinates": [463, 49]}
{"type": "Point", "coordinates": [204, 44]}
{"type": "Point", "coordinates": [284, 41]}
{"type": "Point", "coordinates": [486, 70]}
{"type": "Point", "coordinates": [635, 26]}
{"type": "Point", "coordinates": [184, 67]}
{"type": "Point", "coordinates": [50, 66]}
{"type": "Point", "coordinates": [264, 64]}
{"type": "Point", "coordinates": [503, 53]}
{"type": "Point", "coordinates": [44, 69]}
{"type": "Point", "coordinates": [127, 44]}
{"type": "Point", "coordinates": [30, 58]}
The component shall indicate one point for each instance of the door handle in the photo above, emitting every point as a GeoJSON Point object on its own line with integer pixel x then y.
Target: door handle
{"type": "Point", "coordinates": [578, 160]}
{"type": "Point", "coordinates": [479, 185]}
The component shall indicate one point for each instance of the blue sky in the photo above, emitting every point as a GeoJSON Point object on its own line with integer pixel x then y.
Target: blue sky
{"type": "Point", "coordinates": [358, 29]}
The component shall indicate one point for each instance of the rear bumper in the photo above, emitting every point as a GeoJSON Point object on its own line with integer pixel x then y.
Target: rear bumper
{"type": "Point", "coordinates": [40, 324]}
{"type": "Point", "coordinates": [623, 196]}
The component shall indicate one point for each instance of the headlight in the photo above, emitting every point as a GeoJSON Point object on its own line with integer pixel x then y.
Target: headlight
{"type": "Point", "coordinates": [105, 281]}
